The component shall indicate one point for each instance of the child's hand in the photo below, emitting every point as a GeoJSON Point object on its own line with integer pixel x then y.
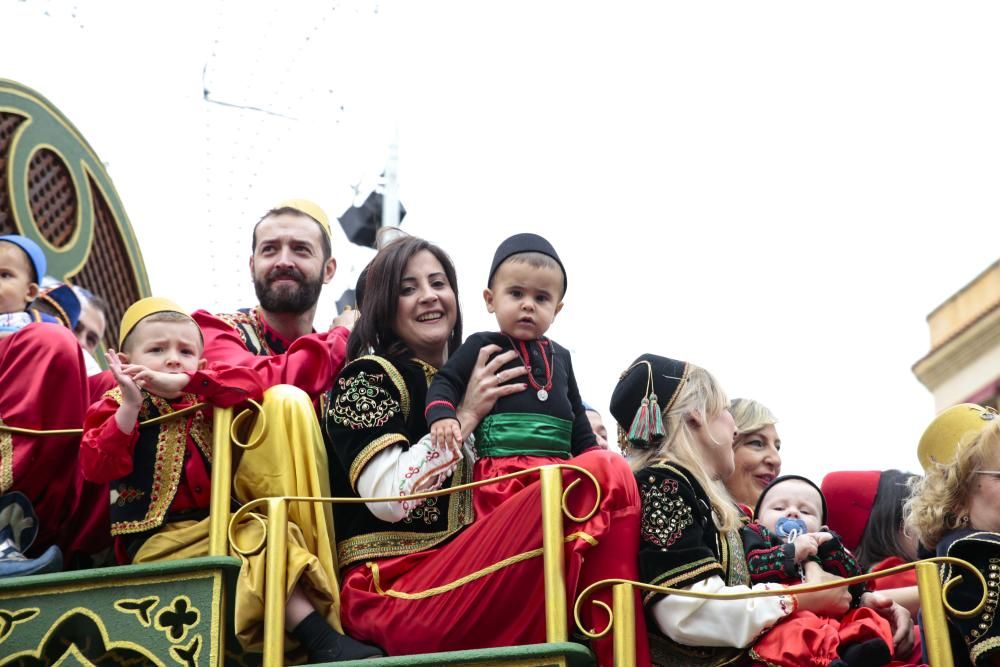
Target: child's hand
{"type": "Point", "coordinates": [167, 385]}
{"type": "Point", "coordinates": [447, 434]}
{"type": "Point", "coordinates": [808, 544]}
{"type": "Point", "coordinates": [131, 395]}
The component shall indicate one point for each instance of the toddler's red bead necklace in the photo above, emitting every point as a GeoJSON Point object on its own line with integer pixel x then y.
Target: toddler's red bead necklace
{"type": "Point", "coordinates": [522, 352]}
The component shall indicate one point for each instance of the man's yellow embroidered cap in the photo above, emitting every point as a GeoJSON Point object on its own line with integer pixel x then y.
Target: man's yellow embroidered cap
{"type": "Point", "coordinates": [955, 426]}
{"type": "Point", "coordinates": [311, 209]}
{"type": "Point", "coordinates": [144, 308]}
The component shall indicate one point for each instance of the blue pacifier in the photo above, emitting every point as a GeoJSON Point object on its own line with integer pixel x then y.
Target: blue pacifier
{"type": "Point", "coordinates": [789, 528]}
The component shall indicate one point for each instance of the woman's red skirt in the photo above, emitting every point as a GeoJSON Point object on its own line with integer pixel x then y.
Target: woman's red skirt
{"type": "Point", "coordinates": [484, 588]}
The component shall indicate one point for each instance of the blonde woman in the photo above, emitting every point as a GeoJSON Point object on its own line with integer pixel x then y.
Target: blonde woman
{"type": "Point", "coordinates": [955, 510]}
{"type": "Point", "coordinates": [756, 451]}
{"type": "Point", "coordinates": [677, 432]}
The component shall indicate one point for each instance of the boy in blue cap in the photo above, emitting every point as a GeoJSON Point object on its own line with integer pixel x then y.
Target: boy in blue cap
{"type": "Point", "coordinates": [22, 266]}
{"type": "Point", "coordinates": [42, 386]}
{"type": "Point", "coordinates": [22, 301]}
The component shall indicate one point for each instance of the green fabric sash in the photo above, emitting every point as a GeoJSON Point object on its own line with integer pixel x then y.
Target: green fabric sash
{"type": "Point", "coordinates": [524, 434]}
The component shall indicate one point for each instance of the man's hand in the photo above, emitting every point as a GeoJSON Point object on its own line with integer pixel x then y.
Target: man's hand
{"type": "Point", "coordinates": [899, 620]}
{"type": "Point", "coordinates": [447, 434]}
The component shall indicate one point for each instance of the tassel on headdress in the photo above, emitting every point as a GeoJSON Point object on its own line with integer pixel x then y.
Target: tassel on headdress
{"type": "Point", "coordinates": [647, 426]}
{"type": "Point", "coordinates": [638, 434]}
{"type": "Point", "coordinates": [635, 400]}
{"type": "Point", "coordinates": [656, 428]}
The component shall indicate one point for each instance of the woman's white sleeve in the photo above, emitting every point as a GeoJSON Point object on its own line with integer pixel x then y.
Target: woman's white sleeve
{"type": "Point", "coordinates": [736, 623]}
{"type": "Point", "coordinates": [395, 471]}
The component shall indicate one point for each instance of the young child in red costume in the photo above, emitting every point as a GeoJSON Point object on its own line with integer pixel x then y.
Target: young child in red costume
{"type": "Point", "coordinates": [788, 544]}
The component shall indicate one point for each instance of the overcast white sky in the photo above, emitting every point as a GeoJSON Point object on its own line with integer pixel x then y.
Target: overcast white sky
{"type": "Point", "coordinates": [779, 192]}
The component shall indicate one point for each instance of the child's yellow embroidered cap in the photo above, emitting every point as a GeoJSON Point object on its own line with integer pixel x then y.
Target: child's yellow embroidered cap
{"type": "Point", "coordinates": [144, 308]}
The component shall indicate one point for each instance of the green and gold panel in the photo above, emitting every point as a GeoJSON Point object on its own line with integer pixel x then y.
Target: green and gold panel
{"type": "Point", "coordinates": [161, 614]}
{"type": "Point", "coordinates": [55, 190]}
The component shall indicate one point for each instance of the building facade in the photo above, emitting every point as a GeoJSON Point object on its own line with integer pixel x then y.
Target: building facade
{"type": "Point", "coordinates": [963, 365]}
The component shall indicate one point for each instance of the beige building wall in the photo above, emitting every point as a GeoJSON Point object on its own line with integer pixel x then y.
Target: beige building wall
{"type": "Point", "coordinates": [963, 364]}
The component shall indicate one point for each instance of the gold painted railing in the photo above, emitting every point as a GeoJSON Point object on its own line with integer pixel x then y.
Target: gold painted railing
{"type": "Point", "coordinates": [275, 535]}
{"type": "Point", "coordinates": [274, 541]}
{"type": "Point", "coordinates": [226, 430]}
{"type": "Point", "coordinates": [933, 605]}
{"type": "Point", "coordinates": [621, 615]}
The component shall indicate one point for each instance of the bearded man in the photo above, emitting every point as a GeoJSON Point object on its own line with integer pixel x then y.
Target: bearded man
{"type": "Point", "coordinates": [291, 261]}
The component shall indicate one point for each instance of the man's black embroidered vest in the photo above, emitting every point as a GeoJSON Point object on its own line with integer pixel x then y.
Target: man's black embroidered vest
{"type": "Point", "coordinates": [141, 500]}
{"type": "Point", "coordinates": [247, 323]}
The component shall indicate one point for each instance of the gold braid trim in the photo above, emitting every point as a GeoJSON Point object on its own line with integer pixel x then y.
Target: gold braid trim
{"type": "Point", "coordinates": [170, 447]}
{"type": "Point", "coordinates": [6, 462]}
{"type": "Point", "coordinates": [429, 371]}
{"type": "Point", "coordinates": [384, 544]}
{"type": "Point", "coordinates": [201, 433]}
{"type": "Point", "coordinates": [682, 573]}
{"type": "Point", "coordinates": [370, 450]}
{"type": "Point", "coordinates": [63, 315]}
{"type": "Point", "coordinates": [979, 648]}
{"type": "Point", "coordinates": [479, 574]}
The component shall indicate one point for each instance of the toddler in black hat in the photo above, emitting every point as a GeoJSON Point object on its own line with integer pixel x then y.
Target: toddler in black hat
{"type": "Point", "coordinates": [524, 290]}
{"type": "Point", "coordinates": [788, 543]}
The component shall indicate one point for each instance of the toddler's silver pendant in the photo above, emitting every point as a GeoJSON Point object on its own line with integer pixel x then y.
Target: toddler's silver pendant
{"type": "Point", "coordinates": [543, 395]}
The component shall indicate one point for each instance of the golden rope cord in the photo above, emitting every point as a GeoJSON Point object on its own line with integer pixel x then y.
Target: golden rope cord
{"type": "Point", "coordinates": [788, 590]}
{"type": "Point", "coordinates": [247, 509]}
{"type": "Point", "coordinates": [79, 431]}
{"type": "Point", "coordinates": [238, 422]}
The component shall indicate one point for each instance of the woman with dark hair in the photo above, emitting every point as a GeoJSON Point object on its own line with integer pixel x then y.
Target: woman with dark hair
{"type": "Point", "coordinates": [432, 576]}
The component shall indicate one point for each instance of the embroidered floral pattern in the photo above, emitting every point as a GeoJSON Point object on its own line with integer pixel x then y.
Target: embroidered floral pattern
{"type": "Point", "coordinates": [363, 403]}
{"type": "Point", "coordinates": [665, 515]}
{"type": "Point", "coordinates": [428, 512]}
{"type": "Point", "coordinates": [384, 544]}
{"type": "Point", "coordinates": [837, 560]}
{"type": "Point", "coordinates": [774, 563]}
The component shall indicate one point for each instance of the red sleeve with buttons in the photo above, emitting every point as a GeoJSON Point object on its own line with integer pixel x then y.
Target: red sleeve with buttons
{"type": "Point", "coordinates": [226, 386]}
